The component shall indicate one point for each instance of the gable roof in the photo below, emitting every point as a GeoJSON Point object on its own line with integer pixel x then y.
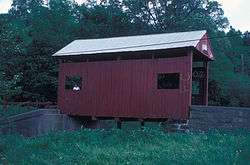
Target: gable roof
{"type": "Point", "coordinates": [132, 43]}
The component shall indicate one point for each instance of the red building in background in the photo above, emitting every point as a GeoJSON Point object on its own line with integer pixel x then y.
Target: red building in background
{"type": "Point", "coordinates": [147, 77]}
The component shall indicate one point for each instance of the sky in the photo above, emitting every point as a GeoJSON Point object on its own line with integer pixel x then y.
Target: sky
{"type": "Point", "coordinates": [237, 11]}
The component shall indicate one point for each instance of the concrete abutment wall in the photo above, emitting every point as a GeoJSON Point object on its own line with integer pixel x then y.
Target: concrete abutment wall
{"type": "Point", "coordinates": [204, 118]}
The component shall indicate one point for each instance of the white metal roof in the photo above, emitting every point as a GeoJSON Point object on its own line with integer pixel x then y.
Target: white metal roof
{"type": "Point", "coordinates": [132, 43]}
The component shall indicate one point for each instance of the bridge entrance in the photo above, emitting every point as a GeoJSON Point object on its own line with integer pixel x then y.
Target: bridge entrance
{"type": "Point", "coordinates": [199, 84]}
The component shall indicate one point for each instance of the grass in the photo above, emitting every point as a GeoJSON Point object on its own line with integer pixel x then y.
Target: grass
{"type": "Point", "coordinates": [127, 147]}
{"type": "Point", "coordinates": [14, 110]}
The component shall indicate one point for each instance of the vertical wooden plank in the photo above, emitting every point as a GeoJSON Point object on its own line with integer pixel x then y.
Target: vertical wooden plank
{"type": "Point", "coordinates": [99, 83]}
{"type": "Point", "coordinates": [109, 88]}
{"type": "Point", "coordinates": [60, 91]}
{"type": "Point", "coordinates": [151, 87]}
{"type": "Point", "coordinates": [94, 90]}
{"type": "Point", "coordinates": [190, 55]}
{"type": "Point", "coordinates": [206, 83]}
{"type": "Point", "coordinates": [190, 71]}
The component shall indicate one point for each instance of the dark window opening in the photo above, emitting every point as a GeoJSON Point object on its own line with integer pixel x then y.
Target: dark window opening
{"type": "Point", "coordinates": [73, 83]}
{"type": "Point", "coordinates": [168, 81]}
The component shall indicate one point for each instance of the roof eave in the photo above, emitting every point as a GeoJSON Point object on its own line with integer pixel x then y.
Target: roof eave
{"type": "Point", "coordinates": [202, 54]}
{"type": "Point", "coordinates": [112, 53]}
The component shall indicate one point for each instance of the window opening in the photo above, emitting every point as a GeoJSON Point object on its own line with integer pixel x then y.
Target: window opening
{"type": "Point", "coordinates": [168, 81]}
{"type": "Point", "coordinates": [73, 83]}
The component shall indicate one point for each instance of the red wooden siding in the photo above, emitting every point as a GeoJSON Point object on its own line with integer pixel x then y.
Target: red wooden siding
{"type": "Point", "coordinates": [127, 88]}
{"type": "Point", "coordinates": [205, 41]}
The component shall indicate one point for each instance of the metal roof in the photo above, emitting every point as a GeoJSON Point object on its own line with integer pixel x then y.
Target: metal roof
{"type": "Point", "coordinates": [132, 43]}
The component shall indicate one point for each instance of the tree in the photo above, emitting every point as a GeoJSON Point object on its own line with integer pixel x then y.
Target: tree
{"type": "Point", "coordinates": [9, 88]}
{"type": "Point", "coordinates": [99, 21]}
{"type": "Point", "coordinates": [175, 15]}
{"type": "Point", "coordinates": [247, 38]}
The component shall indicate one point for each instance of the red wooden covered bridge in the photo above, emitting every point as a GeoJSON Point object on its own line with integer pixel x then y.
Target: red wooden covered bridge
{"type": "Point", "coordinates": [146, 77]}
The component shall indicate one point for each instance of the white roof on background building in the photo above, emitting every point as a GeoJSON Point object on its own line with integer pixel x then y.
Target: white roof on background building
{"type": "Point", "coordinates": [132, 43]}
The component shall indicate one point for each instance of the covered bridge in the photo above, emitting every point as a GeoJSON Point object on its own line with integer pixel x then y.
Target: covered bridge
{"type": "Point", "coordinates": [146, 77]}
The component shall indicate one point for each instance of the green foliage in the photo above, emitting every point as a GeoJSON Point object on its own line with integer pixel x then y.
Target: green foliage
{"type": "Point", "coordinates": [247, 38]}
{"type": "Point", "coordinates": [228, 71]}
{"type": "Point", "coordinates": [215, 95]}
{"type": "Point", "coordinates": [9, 88]}
{"type": "Point", "coordinates": [102, 21]}
{"type": "Point", "coordinates": [127, 147]}
{"type": "Point", "coordinates": [169, 16]}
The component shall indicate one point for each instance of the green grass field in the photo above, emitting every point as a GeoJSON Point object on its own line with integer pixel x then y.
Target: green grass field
{"type": "Point", "coordinates": [127, 147]}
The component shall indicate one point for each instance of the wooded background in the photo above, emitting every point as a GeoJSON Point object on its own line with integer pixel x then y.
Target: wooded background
{"type": "Point", "coordinates": [34, 29]}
